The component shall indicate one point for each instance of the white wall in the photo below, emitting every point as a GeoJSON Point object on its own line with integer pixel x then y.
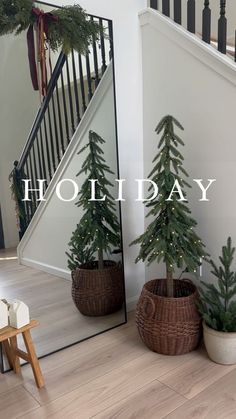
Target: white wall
{"type": "Point", "coordinates": [124, 14]}
{"type": "Point", "coordinates": [18, 106]}
{"type": "Point", "coordinates": [190, 80]}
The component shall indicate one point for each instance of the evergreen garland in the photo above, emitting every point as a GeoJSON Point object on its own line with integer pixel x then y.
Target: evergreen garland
{"type": "Point", "coordinates": [72, 30]}
{"type": "Point", "coordinates": [16, 187]}
{"type": "Point", "coordinates": [170, 237]}
{"type": "Point", "coordinates": [15, 16]}
{"type": "Point", "coordinates": [98, 230]}
{"type": "Point", "coordinates": [218, 305]}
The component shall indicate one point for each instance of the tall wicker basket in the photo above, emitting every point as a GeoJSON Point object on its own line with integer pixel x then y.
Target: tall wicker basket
{"type": "Point", "coordinates": [98, 292]}
{"type": "Point", "coordinates": [170, 326]}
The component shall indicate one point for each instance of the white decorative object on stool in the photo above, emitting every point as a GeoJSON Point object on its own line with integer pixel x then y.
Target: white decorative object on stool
{"type": "Point", "coordinates": [18, 314]}
{"type": "Point", "coordinates": [3, 314]}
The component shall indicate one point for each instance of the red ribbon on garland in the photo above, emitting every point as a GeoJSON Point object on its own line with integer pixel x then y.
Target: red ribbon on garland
{"type": "Point", "coordinates": [42, 24]}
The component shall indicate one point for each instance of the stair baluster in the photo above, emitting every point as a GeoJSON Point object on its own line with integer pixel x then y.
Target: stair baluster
{"type": "Point", "coordinates": [110, 32]}
{"type": "Point", "coordinates": [154, 4]}
{"type": "Point", "coordinates": [206, 22]}
{"type": "Point", "coordinates": [89, 80]}
{"type": "Point", "coordinates": [65, 109]}
{"type": "Point", "coordinates": [103, 50]}
{"type": "Point", "coordinates": [75, 89]}
{"type": "Point", "coordinates": [59, 115]}
{"type": "Point", "coordinates": [235, 48]}
{"type": "Point", "coordinates": [72, 119]}
{"type": "Point", "coordinates": [49, 177]}
{"type": "Point", "coordinates": [177, 11]}
{"type": "Point", "coordinates": [95, 59]}
{"type": "Point", "coordinates": [166, 7]}
{"type": "Point", "coordinates": [191, 16]}
{"type": "Point", "coordinates": [222, 28]}
{"type": "Point", "coordinates": [41, 175]}
{"type": "Point", "coordinates": [55, 130]}
{"type": "Point", "coordinates": [48, 113]}
{"type": "Point", "coordinates": [82, 82]}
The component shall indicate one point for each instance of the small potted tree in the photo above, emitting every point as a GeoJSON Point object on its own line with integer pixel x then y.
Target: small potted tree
{"type": "Point", "coordinates": [97, 284]}
{"type": "Point", "coordinates": [167, 316]}
{"type": "Point", "coordinates": [218, 308]}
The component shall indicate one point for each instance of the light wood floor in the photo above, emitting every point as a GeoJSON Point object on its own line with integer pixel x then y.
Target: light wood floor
{"type": "Point", "coordinates": [115, 376]}
{"type": "Point", "coordinates": [49, 300]}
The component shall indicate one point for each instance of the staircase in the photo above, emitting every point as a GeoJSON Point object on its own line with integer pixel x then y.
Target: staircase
{"type": "Point", "coordinates": [221, 42]}
{"type": "Point", "coordinates": [72, 86]}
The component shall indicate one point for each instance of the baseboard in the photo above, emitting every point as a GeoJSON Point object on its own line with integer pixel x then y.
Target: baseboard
{"type": "Point", "coordinates": [62, 273]}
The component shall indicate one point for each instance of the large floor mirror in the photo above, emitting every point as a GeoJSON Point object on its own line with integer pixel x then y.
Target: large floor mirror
{"type": "Point", "coordinates": [75, 124]}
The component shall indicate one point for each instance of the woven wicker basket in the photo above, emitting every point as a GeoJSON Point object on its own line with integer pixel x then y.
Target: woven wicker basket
{"type": "Point", "coordinates": [170, 326]}
{"type": "Point", "coordinates": [98, 292]}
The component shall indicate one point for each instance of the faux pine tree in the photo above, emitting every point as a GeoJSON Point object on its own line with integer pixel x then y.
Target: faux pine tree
{"type": "Point", "coordinates": [218, 304]}
{"type": "Point", "coordinates": [98, 230]}
{"type": "Point", "coordinates": [170, 237]}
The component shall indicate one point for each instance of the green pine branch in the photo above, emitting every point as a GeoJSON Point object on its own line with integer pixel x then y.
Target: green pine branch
{"type": "Point", "coordinates": [72, 30]}
{"type": "Point", "coordinates": [170, 236]}
{"type": "Point", "coordinates": [218, 306]}
{"type": "Point", "coordinates": [98, 230]}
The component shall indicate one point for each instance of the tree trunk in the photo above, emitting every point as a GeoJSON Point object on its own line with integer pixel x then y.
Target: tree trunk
{"type": "Point", "coordinates": [170, 283]}
{"type": "Point", "coordinates": [100, 259]}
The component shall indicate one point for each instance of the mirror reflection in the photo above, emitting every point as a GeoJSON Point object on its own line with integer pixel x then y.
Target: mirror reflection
{"type": "Point", "coordinates": [60, 223]}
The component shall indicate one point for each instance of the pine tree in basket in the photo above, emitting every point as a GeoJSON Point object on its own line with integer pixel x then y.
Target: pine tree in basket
{"type": "Point", "coordinates": [98, 230]}
{"type": "Point", "coordinates": [170, 237]}
{"type": "Point", "coordinates": [218, 305]}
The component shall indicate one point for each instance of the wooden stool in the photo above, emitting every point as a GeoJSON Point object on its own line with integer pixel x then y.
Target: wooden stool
{"type": "Point", "coordinates": [8, 337]}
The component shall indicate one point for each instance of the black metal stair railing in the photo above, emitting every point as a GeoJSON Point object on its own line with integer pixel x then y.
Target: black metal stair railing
{"type": "Point", "coordinates": [221, 41]}
{"type": "Point", "coordinates": [71, 88]}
